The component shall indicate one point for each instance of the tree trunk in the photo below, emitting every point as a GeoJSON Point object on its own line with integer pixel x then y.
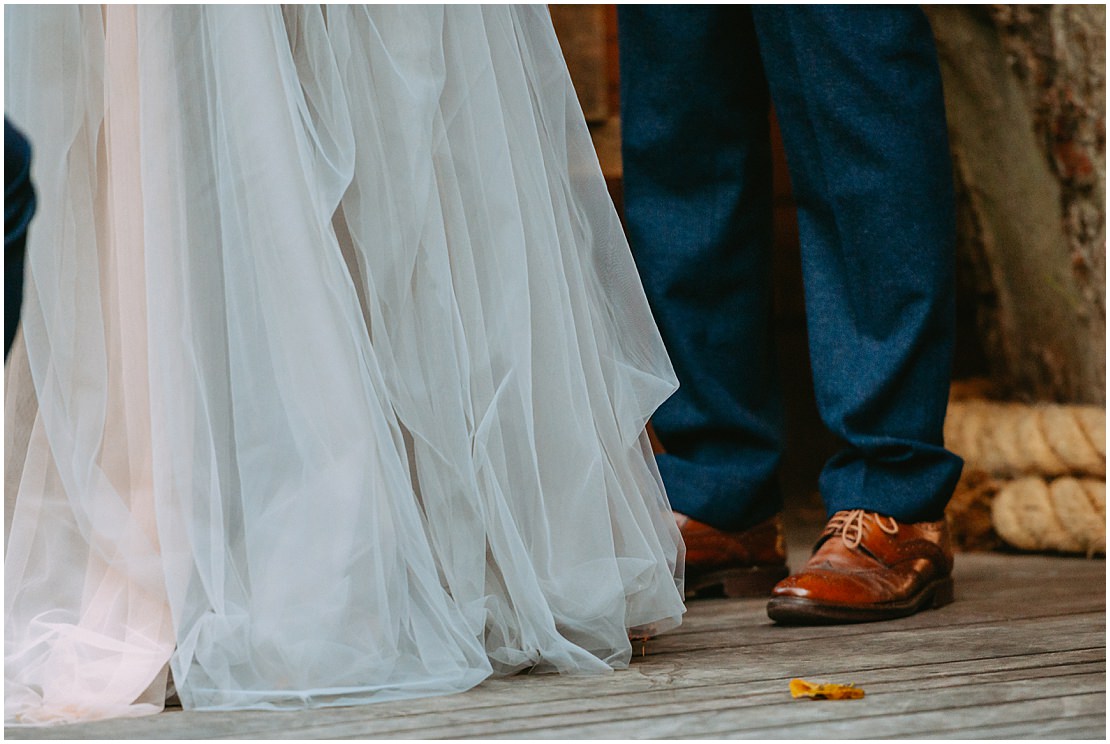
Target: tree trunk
{"type": "Point", "coordinates": [1025, 92]}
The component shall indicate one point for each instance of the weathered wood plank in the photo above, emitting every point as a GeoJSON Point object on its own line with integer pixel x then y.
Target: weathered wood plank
{"type": "Point", "coordinates": [746, 679]}
{"type": "Point", "coordinates": [496, 694]}
{"type": "Point", "coordinates": [988, 586]}
{"type": "Point", "coordinates": [1076, 727]}
{"type": "Point", "coordinates": [386, 719]}
{"type": "Point", "coordinates": [725, 674]}
{"type": "Point", "coordinates": [501, 707]}
{"type": "Point", "coordinates": [938, 675]}
{"type": "Point", "coordinates": [633, 710]}
{"type": "Point", "coordinates": [888, 717]}
{"type": "Point", "coordinates": [882, 649]}
{"type": "Point", "coordinates": [742, 633]}
{"type": "Point", "coordinates": [918, 724]}
{"type": "Point", "coordinates": [691, 699]}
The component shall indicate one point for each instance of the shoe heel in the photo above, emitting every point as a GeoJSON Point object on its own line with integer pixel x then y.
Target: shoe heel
{"type": "Point", "coordinates": [944, 593]}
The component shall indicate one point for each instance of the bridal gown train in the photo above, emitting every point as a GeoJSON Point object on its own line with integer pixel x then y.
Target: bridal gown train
{"type": "Point", "coordinates": [336, 364]}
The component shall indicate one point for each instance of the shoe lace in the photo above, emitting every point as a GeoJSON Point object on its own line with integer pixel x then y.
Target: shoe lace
{"type": "Point", "coordinates": [849, 524]}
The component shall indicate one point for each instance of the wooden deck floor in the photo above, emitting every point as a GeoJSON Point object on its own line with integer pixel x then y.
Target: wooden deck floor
{"type": "Point", "coordinates": [1021, 654]}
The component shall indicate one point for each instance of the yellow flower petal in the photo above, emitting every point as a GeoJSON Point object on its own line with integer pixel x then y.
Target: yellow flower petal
{"type": "Point", "coordinates": [801, 688]}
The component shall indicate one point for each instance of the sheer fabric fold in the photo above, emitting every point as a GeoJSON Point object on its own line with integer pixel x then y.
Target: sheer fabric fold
{"type": "Point", "coordinates": [341, 364]}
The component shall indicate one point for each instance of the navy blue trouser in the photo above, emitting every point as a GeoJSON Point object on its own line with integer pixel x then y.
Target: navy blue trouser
{"type": "Point", "coordinates": [19, 206]}
{"type": "Point", "coordinates": [857, 93]}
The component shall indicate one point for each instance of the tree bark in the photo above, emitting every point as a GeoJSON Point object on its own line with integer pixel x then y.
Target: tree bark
{"type": "Point", "coordinates": [1025, 92]}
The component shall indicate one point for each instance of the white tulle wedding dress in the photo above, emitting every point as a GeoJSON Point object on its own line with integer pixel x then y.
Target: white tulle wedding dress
{"type": "Point", "coordinates": [336, 364]}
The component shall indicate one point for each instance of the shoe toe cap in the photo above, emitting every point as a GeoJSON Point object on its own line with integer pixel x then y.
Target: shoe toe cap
{"type": "Point", "coordinates": [827, 586]}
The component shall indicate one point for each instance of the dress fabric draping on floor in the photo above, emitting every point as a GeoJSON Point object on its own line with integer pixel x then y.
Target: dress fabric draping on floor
{"type": "Point", "coordinates": [336, 364]}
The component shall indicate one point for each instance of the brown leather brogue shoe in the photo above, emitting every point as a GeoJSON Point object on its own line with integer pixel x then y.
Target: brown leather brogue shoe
{"type": "Point", "coordinates": [747, 563]}
{"type": "Point", "coordinates": [868, 567]}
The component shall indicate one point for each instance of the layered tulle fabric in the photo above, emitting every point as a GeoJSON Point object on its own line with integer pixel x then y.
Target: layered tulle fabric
{"type": "Point", "coordinates": [340, 358]}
